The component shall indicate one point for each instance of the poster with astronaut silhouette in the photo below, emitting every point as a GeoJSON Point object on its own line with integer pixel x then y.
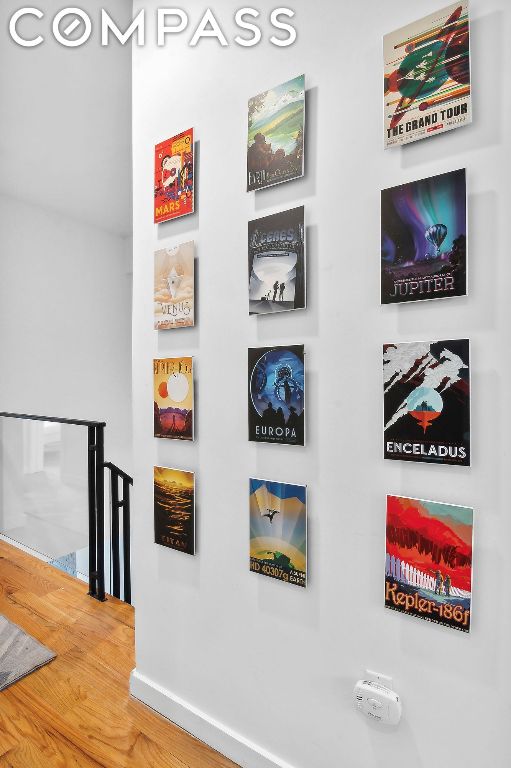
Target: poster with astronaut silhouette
{"type": "Point", "coordinates": [276, 395]}
{"type": "Point", "coordinates": [276, 120]}
{"type": "Point", "coordinates": [276, 262]}
{"type": "Point", "coordinates": [173, 177]}
{"type": "Point", "coordinates": [427, 402]}
{"type": "Point", "coordinates": [174, 287]}
{"type": "Point", "coordinates": [428, 561]}
{"type": "Point", "coordinates": [173, 398]}
{"type": "Point", "coordinates": [424, 239]}
{"type": "Point", "coordinates": [427, 76]}
{"type": "Point", "coordinates": [278, 531]}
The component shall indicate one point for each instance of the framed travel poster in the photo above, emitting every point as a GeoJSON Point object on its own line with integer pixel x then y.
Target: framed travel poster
{"type": "Point", "coordinates": [173, 398]}
{"type": "Point", "coordinates": [174, 177]}
{"type": "Point", "coordinates": [174, 509]}
{"type": "Point", "coordinates": [174, 287]}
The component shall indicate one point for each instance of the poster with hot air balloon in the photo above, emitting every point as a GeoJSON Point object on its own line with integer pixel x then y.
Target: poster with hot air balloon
{"type": "Point", "coordinates": [173, 398]}
{"type": "Point", "coordinates": [174, 287]}
{"type": "Point", "coordinates": [426, 389]}
{"type": "Point", "coordinates": [428, 561]}
{"type": "Point", "coordinates": [424, 239]}
{"type": "Point", "coordinates": [427, 76]}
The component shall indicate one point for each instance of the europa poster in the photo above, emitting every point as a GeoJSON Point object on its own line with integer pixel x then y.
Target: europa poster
{"type": "Point", "coordinates": [276, 262]}
{"type": "Point", "coordinates": [427, 401]}
{"type": "Point", "coordinates": [424, 239]}
{"type": "Point", "coordinates": [276, 395]}
{"type": "Point", "coordinates": [276, 120]}
{"type": "Point", "coordinates": [428, 562]}
{"type": "Point", "coordinates": [278, 531]}
{"type": "Point", "coordinates": [427, 76]}
{"type": "Point", "coordinates": [173, 398]}
{"type": "Point", "coordinates": [174, 287]}
{"type": "Point", "coordinates": [174, 509]}
{"type": "Point", "coordinates": [173, 177]}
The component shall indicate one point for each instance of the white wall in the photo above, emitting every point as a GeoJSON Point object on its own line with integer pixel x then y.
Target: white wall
{"type": "Point", "coordinates": [237, 658]}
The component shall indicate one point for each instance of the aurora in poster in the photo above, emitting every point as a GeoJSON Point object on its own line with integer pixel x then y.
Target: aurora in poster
{"type": "Point", "coordinates": [427, 402]}
{"type": "Point", "coordinates": [276, 395]}
{"type": "Point", "coordinates": [424, 239]}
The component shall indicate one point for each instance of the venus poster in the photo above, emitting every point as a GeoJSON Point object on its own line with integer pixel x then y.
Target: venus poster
{"type": "Point", "coordinates": [174, 287]}
{"type": "Point", "coordinates": [173, 398]}
{"type": "Point", "coordinates": [427, 76]}
{"type": "Point", "coordinates": [428, 561]}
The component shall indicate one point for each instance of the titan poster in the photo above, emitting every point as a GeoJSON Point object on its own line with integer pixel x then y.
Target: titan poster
{"type": "Point", "coordinates": [174, 287]}
{"type": "Point", "coordinates": [173, 398]}
{"type": "Point", "coordinates": [427, 402]}
{"type": "Point", "coordinates": [428, 562]}
{"type": "Point", "coordinates": [427, 76]}
{"type": "Point", "coordinates": [275, 135]}
{"type": "Point", "coordinates": [424, 239]}
{"type": "Point", "coordinates": [276, 262]}
{"type": "Point", "coordinates": [174, 509]}
{"type": "Point", "coordinates": [173, 177]}
{"type": "Point", "coordinates": [278, 531]}
{"type": "Point", "coordinates": [276, 395]}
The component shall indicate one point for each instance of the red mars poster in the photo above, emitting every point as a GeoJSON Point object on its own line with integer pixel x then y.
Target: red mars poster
{"type": "Point", "coordinates": [173, 177]}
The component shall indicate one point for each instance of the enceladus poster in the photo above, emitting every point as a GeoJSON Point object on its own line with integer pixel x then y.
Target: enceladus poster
{"type": "Point", "coordinates": [428, 561]}
{"type": "Point", "coordinates": [174, 287]}
{"type": "Point", "coordinates": [173, 398]}
{"type": "Point", "coordinates": [427, 76]}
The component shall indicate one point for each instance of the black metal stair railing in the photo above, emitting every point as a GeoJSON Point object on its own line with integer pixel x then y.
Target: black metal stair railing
{"type": "Point", "coordinates": [120, 504]}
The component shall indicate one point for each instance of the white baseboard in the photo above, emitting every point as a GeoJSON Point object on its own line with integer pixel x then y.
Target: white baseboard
{"type": "Point", "coordinates": [205, 728]}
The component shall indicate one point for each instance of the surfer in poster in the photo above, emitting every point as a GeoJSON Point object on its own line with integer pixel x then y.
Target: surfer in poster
{"type": "Point", "coordinates": [276, 395]}
{"type": "Point", "coordinates": [427, 76]}
{"type": "Point", "coordinates": [173, 177]}
{"type": "Point", "coordinates": [428, 562]}
{"type": "Point", "coordinates": [424, 239]}
{"type": "Point", "coordinates": [427, 402]}
{"type": "Point", "coordinates": [278, 531]}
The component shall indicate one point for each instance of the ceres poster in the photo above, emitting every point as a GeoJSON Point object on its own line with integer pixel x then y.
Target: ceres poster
{"type": "Point", "coordinates": [427, 76]}
{"type": "Point", "coordinates": [174, 287]}
{"type": "Point", "coordinates": [173, 398]}
{"type": "Point", "coordinates": [428, 561]}
{"type": "Point", "coordinates": [173, 177]}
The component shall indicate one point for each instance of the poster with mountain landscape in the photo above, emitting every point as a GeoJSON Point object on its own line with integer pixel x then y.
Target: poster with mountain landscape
{"type": "Point", "coordinates": [174, 287]}
{"type": "Point", "coordinates": [427, 401]}
{"type": "Point", "coordinates": [278, 531]}
{"type": "Point", "coordinates": [173, 398]}
{"type": "Point", "coordinates": [428, 561]}
{"type": "Point", "coordinates": [174, 509]}
{"type": "Point", "coordinates": [276, 262]}
{"type": "Point", "coordinates": [276, 120]}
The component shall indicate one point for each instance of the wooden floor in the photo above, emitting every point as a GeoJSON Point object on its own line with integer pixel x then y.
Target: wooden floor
{"type": "Point", "coordinates": [77, 711]}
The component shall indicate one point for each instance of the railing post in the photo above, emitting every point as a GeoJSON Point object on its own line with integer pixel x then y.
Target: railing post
{"type": "Point", "coordinates": [126, 529]}
{"type": "Point", "coordinates": [116, 576]}
{"type": "Point", "coordinates": [91, 464]}
{"type": "Point", "coordinates": [100, 511]}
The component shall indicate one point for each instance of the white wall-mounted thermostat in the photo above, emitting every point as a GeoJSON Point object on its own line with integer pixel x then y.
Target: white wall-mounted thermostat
{"type": "Point", "coordinates": [375, 698]}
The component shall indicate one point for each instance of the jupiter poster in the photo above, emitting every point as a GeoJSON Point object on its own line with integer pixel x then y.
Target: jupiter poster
{"type": "Point", "coordinates": [278, 531]}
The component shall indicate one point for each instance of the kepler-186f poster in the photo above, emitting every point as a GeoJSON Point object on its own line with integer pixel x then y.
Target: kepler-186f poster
{"type": "Point", "coordinates": [278, 531]}
{"type": "Point", "coordinates": [276, 395]}
{"type": "Point", "coordinates": [275, 135]}
{"type": "Point", "coordinates": [173, 177]}
{"type": "Point", "coordinates": [174, 287]}
{"type": "Point", "coordinates": [173, 398]}
{"type": "Point", "coordinates": [427, 76]}
{"type": "Point", "coordinates": [427, 401]}
{"type": "Point", "coordinates": [424, 239]}
{"type": "Point", "coordinates": [428, 562]}
{"type": "Point", "coordinates": [174, 509]}
{"type": "Point", "coordinates": [276, 262]}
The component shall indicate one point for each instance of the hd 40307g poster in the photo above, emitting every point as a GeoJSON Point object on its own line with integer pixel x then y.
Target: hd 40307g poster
{"type": "Point", "coordinates": [427, 401]}
{"type": "Point", "coordinates": [276, 395]}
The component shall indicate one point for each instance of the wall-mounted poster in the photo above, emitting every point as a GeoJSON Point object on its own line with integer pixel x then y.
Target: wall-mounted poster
{"type": "Point", "coordinates": [276, 121]}
{"type": "Point", "coordinates": [173, 398]}
{"type": "Point", "coordinates": [427, 76]}
{"type": "Point", "coordinates": [276, 395]}
{"type": "Point", "coordinates": [278, 531]}
{"type": "Point", "coordinates": [173, 177]}
{"type": "Point", "coordinates": [424, 239]}
{"type": "Point", "coordinates": [428, 562]}
{"type": "Point", "coordinates": [174, 287]}
{"type": "Point", "coordinates": [174, 509]}
{"type": "Point", "coordinates": [427, 401]}
{"type": "Point", "coordinates": [276, 262]}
